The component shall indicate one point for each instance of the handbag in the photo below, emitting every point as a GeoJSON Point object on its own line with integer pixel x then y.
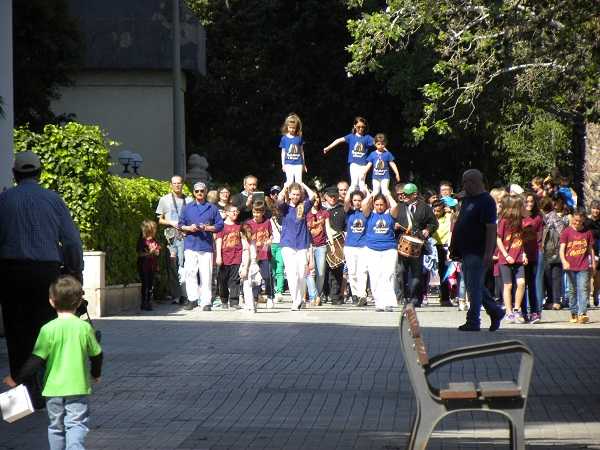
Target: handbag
{"type": "Point", "coordinates": [172, 233]}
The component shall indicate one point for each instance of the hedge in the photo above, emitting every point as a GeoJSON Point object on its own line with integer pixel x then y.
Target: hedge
{"type": "Point", "coordinates": [107, 209]}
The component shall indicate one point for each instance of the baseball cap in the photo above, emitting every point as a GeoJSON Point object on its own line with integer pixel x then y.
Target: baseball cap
{"type": "Point", "coordinates": [449, 201]}
{"type": "Point", "coordinates": [410, 188]}
{"type": "Point", "coordinates": [516, 189]}
{"type": "Point", "coordinates": [26, 162]}
{"type": "Point", "coordinates": [275, 189]}
{"type": "Point", "coordinates": [199, 186]}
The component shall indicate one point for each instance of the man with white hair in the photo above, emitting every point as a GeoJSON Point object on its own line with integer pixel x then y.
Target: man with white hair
{"type": "Point", "coordinates": [199, 220]}
{"type": "Point", "coordinates": [473, 243]}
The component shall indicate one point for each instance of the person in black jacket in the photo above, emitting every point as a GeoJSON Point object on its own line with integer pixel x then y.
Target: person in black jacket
{"type": "Point", "coordinates": [592, 223]}
{"type": "Point", "coordinates": [416, 218]}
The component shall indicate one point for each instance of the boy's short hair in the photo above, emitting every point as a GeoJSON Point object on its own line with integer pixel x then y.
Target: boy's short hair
{"type": "Point", "coordinates": [231, 207]}
{"type": "Point", "coordinates": [66, 293]}
{"type": "Point", "coordinates": [380, 137]}
{"type": "Point", "coordinates": [258, 206]}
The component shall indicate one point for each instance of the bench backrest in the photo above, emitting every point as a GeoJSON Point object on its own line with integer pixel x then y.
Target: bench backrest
{"type": "Point", "coordinates": [414, 350]}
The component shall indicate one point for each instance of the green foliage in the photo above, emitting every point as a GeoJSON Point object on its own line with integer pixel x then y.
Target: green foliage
{"type": "Point", "coordinates": [75, 159]}
{"type": "Point", "coordinates": [535, 147]}
{"type": "Point", "coordinates": [107, 209]}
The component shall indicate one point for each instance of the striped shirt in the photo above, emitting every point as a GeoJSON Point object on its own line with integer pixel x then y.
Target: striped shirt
{"type": "Point", "coordinates": [36, 225]}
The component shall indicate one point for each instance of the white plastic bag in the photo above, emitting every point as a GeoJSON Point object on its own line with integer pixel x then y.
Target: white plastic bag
{"type": "Point", "coordinates": [15, 404]}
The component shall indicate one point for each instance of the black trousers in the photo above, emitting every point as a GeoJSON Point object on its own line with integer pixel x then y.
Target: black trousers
{"type": "Point", "coordinates": [267, 275]}
{"type": "Point", "coordinates": [229, 284]}
{"type": "Point", "coordinates": [413, 268]}
{"type": "Point", "coordinates": [444, 285]}
{"type": "Point", "coordinates": [334, 280]}
{"type": "Point", "coordinates": [25, 309]}
{"type": "Point", "coordinates": [147, 279]}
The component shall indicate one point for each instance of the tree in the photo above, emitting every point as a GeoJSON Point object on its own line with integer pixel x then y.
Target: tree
{"type": "Point", "coordinates": [46, 48]}
{"type": "Point", "coordinates": [541, 54]}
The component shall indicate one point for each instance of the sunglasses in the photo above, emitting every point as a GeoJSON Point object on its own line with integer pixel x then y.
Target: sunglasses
{"type": "Point", "coordinates": [199, 190]}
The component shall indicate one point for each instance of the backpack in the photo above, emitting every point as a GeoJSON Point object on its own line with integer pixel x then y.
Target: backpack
{"type": "Point", "coordinates": [551, 245]}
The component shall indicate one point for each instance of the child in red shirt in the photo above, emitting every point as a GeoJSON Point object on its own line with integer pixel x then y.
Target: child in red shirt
{"type": "Point", "coordinates": [576, 254]}
{"type": "Point", "coordinates": [262, 234]}
{"type": "Point", "coordinates": [148, 250]}
{"type": "Point", "coordinates": [228, 257]}
{"type": "Point", "coordinates": [512, 257]}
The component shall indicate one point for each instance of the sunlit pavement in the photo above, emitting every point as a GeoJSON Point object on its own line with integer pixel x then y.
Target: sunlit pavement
{"type": "Point", "coordinates": [329, 377]}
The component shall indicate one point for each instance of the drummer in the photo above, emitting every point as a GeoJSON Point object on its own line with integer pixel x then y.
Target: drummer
{"type": "Point", "coordinates": [334, 225]}
{"type": "Point", "coordinates": [381, 253]}
{"type": "Point", "coordinates": [415, 218]}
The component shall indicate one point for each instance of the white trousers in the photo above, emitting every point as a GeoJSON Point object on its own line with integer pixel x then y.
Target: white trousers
{"type": "Point", "coordinates": [248, 289]}
{"type": "Point", "coordinates": [357, 270]}
{"type": "Point", "coordinates": [199, 263]}
{"type": "Point", "coordinates": [381, 186]}
{"type": "Point", "coordinates": [381, 266]}
{"type": "Point", "coordinates": [295, 262]}
{"type": "Point", "coordinates": [293, 173]}
{"type": "Point", "coordinates": [357, 177]}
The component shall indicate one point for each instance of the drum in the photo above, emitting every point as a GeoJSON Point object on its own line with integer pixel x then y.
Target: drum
{"type": "Point", "coordinates": [335, 251]}
{"type": "Point", "coordinates": [410, 246]}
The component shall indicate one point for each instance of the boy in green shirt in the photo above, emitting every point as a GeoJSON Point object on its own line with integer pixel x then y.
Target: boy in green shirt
{"type": "Point", "coordinates": [63, 346]}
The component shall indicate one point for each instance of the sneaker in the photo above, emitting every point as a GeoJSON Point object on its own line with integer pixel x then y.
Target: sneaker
{"type": "Point", "coordinates": [190, 305]}
{"type": "Point", "coordinates": [389, 309]}
{"type": "Point", "coordinates": [583, 318]}
{"type": "Point", "coordinates": [207, 308]}
{"type": "Point", "coordinates": [270, 303]}
{"type": "Point", "coordinates": [534, 318]}
{"type": "Point", "coordinates": [573, 318]}
{"type": "Point", "coordinates": [468, 327]}
{"type": "Point", "coordinates": [518, 317]}
{"type": "Point", "coordinates": [496, 320]}
{"type": "Point", "coordinates": [510, 317]}
{"type": "Point", "coordinates": [556, 306]}
{"type": "Point", "coordinates": [362, 301]}
{"type": "Point", "coordinates": [462, 304]}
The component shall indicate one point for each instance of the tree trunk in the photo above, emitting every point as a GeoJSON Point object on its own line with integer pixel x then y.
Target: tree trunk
{"type": "Point", "coordinates": [591, 168]}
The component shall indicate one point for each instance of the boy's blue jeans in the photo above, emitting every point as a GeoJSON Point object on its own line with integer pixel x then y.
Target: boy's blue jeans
{"type": "Point", "coordinates": [315, 282]}
{"type": "Point", "coordinates": [69, 418]}
{"type": "Point", "coordinates": [579, 292]}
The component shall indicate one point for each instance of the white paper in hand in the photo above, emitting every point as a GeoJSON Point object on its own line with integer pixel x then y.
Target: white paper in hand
{"type": "Point", "coordinates": [15, 404]}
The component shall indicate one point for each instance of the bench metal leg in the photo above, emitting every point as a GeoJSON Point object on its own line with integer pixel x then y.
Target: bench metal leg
{"type": "Point", "coordinates": [517, 430]}
{"type": "Point", "coordinates": [423, 426]}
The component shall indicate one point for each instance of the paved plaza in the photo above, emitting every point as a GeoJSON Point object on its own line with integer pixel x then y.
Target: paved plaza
{"type": "Point", "coordinates": [326, 378]}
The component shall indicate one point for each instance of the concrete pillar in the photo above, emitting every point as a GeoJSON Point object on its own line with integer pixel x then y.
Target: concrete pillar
{"type": "Point", "coordinates": [6, 92]}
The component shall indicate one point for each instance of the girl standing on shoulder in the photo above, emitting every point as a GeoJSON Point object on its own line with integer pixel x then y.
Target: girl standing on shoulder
{"type": "Point", "coordinates": [295, 238]}
{"type": "Point", "coordinates": [381, 160]}
{"type": "Point", "coordinates": [359, 146]}
{"type": "Point", "coordinates": [292, 149]}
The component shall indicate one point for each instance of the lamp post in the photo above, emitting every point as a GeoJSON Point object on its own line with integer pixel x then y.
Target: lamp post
{"type": "Point", "coordinates": [130, 159]}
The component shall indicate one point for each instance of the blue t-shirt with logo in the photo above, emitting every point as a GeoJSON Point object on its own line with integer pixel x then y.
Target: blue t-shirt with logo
{"type": "Point", "coordinates": [294, 230]}
{"type": "Point", "coordinates": [380, 232]}
{"type": "Point", "coordinates": [359, 148]}
{"type": "Point", "coordinates": [293, 149]}
{"type": "Point", "coordinates": [381, 164]}
{"type": "Point", "coordinates": [356, 223]}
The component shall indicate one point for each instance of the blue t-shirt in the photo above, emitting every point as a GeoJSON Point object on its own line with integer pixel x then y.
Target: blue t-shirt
{"type": "Point", "coordinates": [468, 236]}
{"type": "Point", "coordinates": [359, 148]}
{"type": "Point", "coordinates": [355, 229]}
{"type": "Point", "coordinates": [200, 213]}
{"type": "Point", "coordinates": [294, 231]}
{"type": "Point", "coordinates": [381, 164]}
{"type": "Point", "coordinates": [293, 149]}
{"type": "Point", "coordinates": [380, 232]}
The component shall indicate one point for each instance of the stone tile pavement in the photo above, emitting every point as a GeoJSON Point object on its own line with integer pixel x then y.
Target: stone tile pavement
{"type": "Point", "coordinates": [326, 378]}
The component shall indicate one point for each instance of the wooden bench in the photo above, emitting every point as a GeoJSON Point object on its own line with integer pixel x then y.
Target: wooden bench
{"type": "Point", "coordinates": [507, 397]}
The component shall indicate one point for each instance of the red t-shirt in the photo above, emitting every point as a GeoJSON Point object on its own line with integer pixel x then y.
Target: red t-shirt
{"type": "Point", "coordinates": [513, 243]}
{"type": "Point", "coordinates": [316, 226]}
{"type": "Point", "coordinates": [576, 248]}
{"type": "Point", "coordinates": [532, 236]}
{"type": "Point", "coordinates": [231, 247]}
{"type": "Point", "coordinates": [261, 233]}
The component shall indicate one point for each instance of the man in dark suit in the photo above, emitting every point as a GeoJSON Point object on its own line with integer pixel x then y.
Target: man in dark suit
{"type": "Point", "coordinates": [415, 218]}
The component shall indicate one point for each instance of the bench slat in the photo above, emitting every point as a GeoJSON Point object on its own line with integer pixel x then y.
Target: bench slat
{"type": "Point", "coordinates": [459, 391]}
{"type": "Point", "coordinates": [490, 389]}
{"type": "Point", "coordinates": [421, 351]}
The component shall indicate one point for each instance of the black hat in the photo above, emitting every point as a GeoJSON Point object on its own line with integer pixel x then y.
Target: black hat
{"type": "Point", "coordinates": [332, 190]}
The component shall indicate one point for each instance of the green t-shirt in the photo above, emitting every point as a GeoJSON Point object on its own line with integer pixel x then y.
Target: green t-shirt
{"type": "Point", "coordinates": [66, 343]}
